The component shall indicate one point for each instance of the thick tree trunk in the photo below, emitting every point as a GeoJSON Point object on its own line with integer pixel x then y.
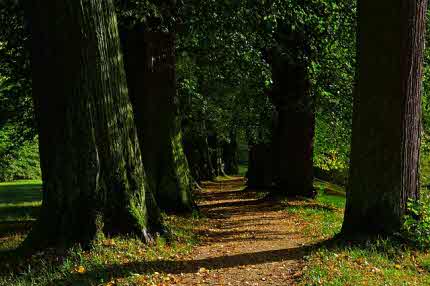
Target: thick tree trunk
{"type": "Point", "coordinates": [294, 132]}
{"type": "Point", "coordinates": [230, 156]}
{"type": "Point", "coordinates": [387, 116]}
{"type": "Point", "coordinates": [93, 178]}
{"type": "Point", "coordinates": [151, 75]}
{"type": "Point", "coordinates": [196, 148]}
{"type": "Point", "coordinates": [215, 152]}
{"type": "Point", "coordinates": [260, 172]}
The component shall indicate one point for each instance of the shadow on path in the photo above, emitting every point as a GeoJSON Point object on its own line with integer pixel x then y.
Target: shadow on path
{"type": "Point", "coordinates": [185, 266]}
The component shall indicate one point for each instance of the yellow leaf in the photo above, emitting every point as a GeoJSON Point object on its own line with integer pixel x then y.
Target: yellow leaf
{"type": "Point", "coordinates": [80, 269]}
{"type": "Point", "coordinates": [109, 242]}
{"type": "Point", "coordinates": [397, 266]}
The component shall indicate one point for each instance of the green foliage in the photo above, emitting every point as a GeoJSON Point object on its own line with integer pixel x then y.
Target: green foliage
{"type": "Point", "coordinates": [18, 160]}
{"type": "Point", "coordinates": [333, 71]}
{"type": "Point", "coordinates": [19, 157]}
{"type": "Point", "coordinates": [153, 15]}
{"type": "Point", "coordinates": [15, 72]}
{"type": "Point", "coordinates": [221, 73]}
{"type": "Point", "coordinates": [416, 226]}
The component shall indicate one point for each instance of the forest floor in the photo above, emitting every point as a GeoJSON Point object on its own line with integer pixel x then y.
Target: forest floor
{"type": "Point", "coordinates": [239, 237]}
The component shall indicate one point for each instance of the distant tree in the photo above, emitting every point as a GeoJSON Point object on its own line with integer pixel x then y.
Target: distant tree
{"type": "Point", "coordinates": [387, 116]}
{"type": "Point", "coordinates": [151, 75]}
{"type": "Point", "coordinates": [230, 156]}
{"type": "Point", "coordinates": [93, 177]}
{"type": "Point", "coordinates": [295, 127]}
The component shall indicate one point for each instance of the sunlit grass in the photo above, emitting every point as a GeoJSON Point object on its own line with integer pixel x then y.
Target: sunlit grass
{"type": "Point", "coordinates": [20, 201]}
{"type": "Point", "coordinates": [376, 262]}
{"type": "Point", "coordinates": [119, 261]}
{"type": "Point", "coordinates": [116, 261]}
{"type": "Point", "coordinates": [243, 169]}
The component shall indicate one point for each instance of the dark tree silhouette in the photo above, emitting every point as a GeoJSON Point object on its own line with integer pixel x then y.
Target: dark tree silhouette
{"type": "Point", "coordinates": [293, 135]}
{"type": "Point", "coordinates": [93, 177]}
{"type": "Point", "coordinates": [151, 76]}
{"type": "Point", "coordinates": [387, 116]}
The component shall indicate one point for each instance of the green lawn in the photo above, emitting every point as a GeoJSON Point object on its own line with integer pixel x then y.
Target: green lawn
{"type": "Point", "coordinates": [339, 262]}
{"type": "Point", "coordinates": [120, 257]}
{"type": "Point", "coordinates": [242, 170]}
{"type": "Point", "coordinates": [20, 201]}
{"type": "Point", "coordinates": [19, 207]}
{"type": "Point", "coordinates": [329, 262]}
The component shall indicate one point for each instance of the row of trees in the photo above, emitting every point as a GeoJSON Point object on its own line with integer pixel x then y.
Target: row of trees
{"type": "Point", "coordinates": [134, 97]}
{"type": "Point", "coordinates": [385, 158]}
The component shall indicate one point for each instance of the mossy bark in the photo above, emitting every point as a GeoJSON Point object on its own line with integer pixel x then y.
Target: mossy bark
{"type": "Point", "coordinates": [93, 178]}
{"type": "Point", "coordinates": [151, 76]}
{"type": "Point", "coordinates": [384, 171]}
{"type": "Point", "coordinates": [196, 148]}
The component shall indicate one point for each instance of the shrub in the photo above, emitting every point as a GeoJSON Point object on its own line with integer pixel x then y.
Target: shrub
{"type": "Point", "coordinates": [416, 226]}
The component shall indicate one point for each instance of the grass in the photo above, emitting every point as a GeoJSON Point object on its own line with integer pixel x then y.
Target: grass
{"type": "Point", "coordinates": [243, 168]}
{"type": "Point", "coordinates": [127, 261]}
{"type": "Point", "coordinates": [19, 201]}
{"type": "Point", "coordinates": [380, 262]}
{"type": "Point", "coordinates": [117, 261]}
{"type": "Point", "coordinates": [321, 217]}
{"type": "Point", "coordinates": [19, 207]}
{"type": "Point", "coordinates": [111, 261]}
{"type": "Point", "coordinates": [336, 262]}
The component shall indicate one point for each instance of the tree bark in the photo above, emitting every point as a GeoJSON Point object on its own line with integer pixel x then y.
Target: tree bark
{"type": "Point", "coordinates": [260, 172]}
{"type": "Point", "coordinates": [93, 177]}
{"type": "Point", "coordinates": [294, 131]}
{"type": "Point", "coordinates": [151, 75]}
{"type": "Point", "coordinates": [387, 116]}
{"type": "Point", "coordinates": [196, 149]}
{"type": "Point", "coordinates": [215, 152]}
{"type": "Point", "coordinates": [230, 155]}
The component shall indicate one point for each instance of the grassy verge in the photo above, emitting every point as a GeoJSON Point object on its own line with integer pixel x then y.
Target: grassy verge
{"type": "Point", "coordinates": [112, 261]}
{"type": "Point", "coordinates": [331, 262]}
{"type": "Point", "coordinates": [243, 169]}
{"type": "Point", "coordinates": [19, 201]}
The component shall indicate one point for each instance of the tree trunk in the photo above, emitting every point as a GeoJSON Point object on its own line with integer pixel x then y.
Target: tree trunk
{"type": "Point", "coordinates": [260, 172]}
{"type": "Point", "coordinates": [230, 156]}
{"type": "Point", "coordinates": [215, 152]}
{"type": "Point", "coordinates": [387, 116]}
{"type": "Point", "coordinates": [151, 75]}
{"type": "Point", "coordinates": [93, 178]}
{"type": "Point", "coordinates": [294, 132]}
{"type": "Point", "coordinates": [196, 148]}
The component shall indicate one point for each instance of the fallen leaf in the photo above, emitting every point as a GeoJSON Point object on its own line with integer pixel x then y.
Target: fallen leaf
{"type": "Point", "coordinates": [80, 269]}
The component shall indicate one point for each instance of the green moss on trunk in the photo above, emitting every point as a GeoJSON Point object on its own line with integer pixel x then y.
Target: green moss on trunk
{"type": "Point", "coordinates": [93, 177]}
{"type": "Point", "coordinates": [151, 76]}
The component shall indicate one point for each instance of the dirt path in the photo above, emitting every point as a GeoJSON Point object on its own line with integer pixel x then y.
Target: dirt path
{"type": "Point", "coordinates": [246, 240]}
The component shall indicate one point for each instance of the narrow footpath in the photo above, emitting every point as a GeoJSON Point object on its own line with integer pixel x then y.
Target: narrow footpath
{"type": "Point", "coordinates": [246, 240]}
